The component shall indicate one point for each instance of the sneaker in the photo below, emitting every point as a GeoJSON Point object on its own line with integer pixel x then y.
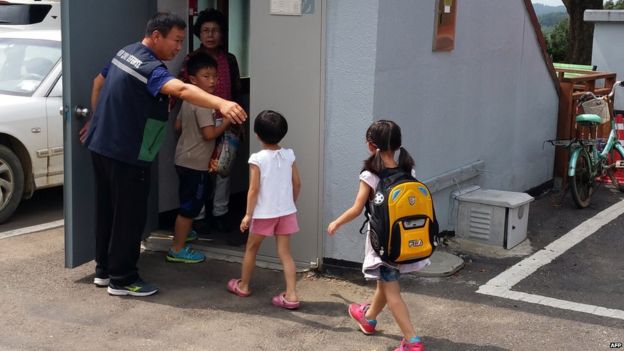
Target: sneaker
{"type": "Point", "coordinates": [101, 282]}
{"type": "Point", "coordinates": [416, 344]}
{"type": "Point", "coordinates": [358, 312]}
{"type": "Point", "coordinates": [192, 235]}
{"type": "Point", "coordinates": [186, 255]}
{"type": "Point", "coordinates": [138, 288]}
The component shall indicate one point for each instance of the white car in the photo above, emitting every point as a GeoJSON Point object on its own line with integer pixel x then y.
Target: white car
{"type": "Point", "coordinates": [30, 14]}
{"type": "Point", "coordinates": [31, 127]}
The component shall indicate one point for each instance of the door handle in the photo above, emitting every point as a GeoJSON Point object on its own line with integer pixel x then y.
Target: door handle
{"type": "Point", "coordinates": [80, 111]}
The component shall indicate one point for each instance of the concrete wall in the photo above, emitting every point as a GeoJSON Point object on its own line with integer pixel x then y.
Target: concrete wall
{"type": "Point", "coordinates": [490, 99]}
{"type": "Point", "coordinates": [607, 51]}
{"type": "Point", "coordinates": [351, 43]}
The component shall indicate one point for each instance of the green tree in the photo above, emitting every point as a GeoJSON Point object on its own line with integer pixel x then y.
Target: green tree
{"type": "Point", "coordinates": [557, 41]}
{"type": "Point", "coordinates": [581, 33]}
{"type": "Point", "coordinates": [614, 5]}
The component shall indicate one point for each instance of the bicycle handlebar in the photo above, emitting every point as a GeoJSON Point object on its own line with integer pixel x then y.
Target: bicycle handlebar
{"type": "Point", "coordinates": [618, 83]}
{"type": "Point", "coordinates": [589, 95]}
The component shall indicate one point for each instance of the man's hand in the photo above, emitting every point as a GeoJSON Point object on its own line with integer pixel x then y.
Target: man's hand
{"type": "Point", "coordinates": [82, 134]}
{"type": "Point", "coordinates": [233, 112]}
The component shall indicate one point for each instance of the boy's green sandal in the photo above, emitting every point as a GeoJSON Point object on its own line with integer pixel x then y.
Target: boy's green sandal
{"type": "Point", "coordinates": [185, 255]}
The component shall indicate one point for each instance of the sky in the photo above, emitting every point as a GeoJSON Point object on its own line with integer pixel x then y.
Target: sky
{"type": "Point", "coordinates": [549, 2]}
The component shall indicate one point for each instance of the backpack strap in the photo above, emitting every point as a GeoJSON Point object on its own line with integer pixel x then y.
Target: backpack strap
{"type": "Point", "coordinates": [366, 217]}
{"type": "Point", "coordinates": [386, 176]}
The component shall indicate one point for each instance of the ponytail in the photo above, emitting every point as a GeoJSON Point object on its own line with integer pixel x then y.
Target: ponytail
{"type": "Point", "coordinates": [374, 163]}
{"type": "Point", "coordinates": [406, 162]}
{"type": "Point", "coordinates": [385, 135]}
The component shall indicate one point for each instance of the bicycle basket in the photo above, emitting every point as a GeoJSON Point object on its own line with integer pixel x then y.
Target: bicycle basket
{"type": "Point", "coordinates": [598, 106]}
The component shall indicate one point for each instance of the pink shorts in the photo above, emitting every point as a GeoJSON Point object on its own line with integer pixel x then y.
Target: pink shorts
{"type": "Point", "coordinates": [284, 225]}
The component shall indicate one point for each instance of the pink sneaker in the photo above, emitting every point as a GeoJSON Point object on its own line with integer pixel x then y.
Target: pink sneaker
{"type": "Point", "coordinates": [413, 346]}
{"type": "Point", "coordinates": [358, 312]}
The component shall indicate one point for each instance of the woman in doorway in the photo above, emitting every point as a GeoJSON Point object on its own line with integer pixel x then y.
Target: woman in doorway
{"type": "Point", "coordinates": [212, 30]}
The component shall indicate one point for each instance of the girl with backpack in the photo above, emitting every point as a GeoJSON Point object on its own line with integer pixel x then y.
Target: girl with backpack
{"type": "Point", "coordinates": [384, 140]}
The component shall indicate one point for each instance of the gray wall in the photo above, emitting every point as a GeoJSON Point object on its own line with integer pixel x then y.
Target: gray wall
{"type": "Point", "coordinates": [351, 40]}
{"type": "Point", "coordinates": [608, 51]}
{"type": "Point", "coordinates": [490, 99]}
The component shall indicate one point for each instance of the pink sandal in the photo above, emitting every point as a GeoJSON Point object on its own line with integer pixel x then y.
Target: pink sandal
{"type": "Point", "coordinates": [280, 301]}
{"type": "Point", "coordinates": [232, 287]}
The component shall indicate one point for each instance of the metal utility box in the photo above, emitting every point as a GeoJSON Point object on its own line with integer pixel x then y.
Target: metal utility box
{"type": "Point", "coordinates": [494, 217]}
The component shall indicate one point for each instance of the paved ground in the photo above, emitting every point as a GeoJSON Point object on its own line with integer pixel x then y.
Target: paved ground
{"type": "Point", "coordinates": [45, 206]}
{"type": "Point", "coordinates": [47, 307]}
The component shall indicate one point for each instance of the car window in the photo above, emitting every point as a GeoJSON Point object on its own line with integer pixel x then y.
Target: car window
{"type": "Point", "coordinates": [57, 91]}
{"type": "Point", "coordinates": [23, 13]}
{"type": "Point", "coordinates": [24, 63]}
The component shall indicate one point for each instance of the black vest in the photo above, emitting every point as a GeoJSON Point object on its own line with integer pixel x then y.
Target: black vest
{"type": "Point", "coordinates": [129, 123]}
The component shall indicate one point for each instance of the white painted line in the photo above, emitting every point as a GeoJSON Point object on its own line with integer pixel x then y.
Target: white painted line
{"type": "Point", "coordinates": [501, 285]}
{"type": "Point", "coordinates": [32, 229]}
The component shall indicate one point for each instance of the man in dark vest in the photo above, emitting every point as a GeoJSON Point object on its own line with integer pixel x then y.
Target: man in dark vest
{"type": "Point", "coordinates": [130, 100]}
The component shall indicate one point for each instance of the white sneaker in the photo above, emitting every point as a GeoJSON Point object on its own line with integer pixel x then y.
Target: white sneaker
{"type": "Point", "coordinates": [101, 282]}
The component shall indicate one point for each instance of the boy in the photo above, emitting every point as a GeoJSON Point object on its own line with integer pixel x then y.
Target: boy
{"type": "Point", "coordinates": [192, 156]}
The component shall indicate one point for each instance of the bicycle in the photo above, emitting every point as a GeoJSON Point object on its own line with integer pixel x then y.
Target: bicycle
{"type": "Point", "coordinates": [587, 162]}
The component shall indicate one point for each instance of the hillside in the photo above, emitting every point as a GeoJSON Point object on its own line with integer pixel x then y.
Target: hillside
{"type": "Point", "coordinates": [545, 9]}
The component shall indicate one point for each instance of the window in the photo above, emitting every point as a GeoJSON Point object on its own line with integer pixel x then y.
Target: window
{"type": "Point", "coordinates": [444, 32]}
{"type": "Point", "coordinates": [22, 13]}
{"type": "Point", "coordinates": [57, 90]}
{"type": "Point", "coordinates": [24, 63]}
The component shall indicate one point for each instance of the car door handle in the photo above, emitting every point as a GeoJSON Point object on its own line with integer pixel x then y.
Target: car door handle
{"type": "Point", "coordinates": [80, 111]}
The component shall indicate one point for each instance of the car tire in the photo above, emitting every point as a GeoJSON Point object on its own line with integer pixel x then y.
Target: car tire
{"type": "Point", "coordinates": [11, 183]}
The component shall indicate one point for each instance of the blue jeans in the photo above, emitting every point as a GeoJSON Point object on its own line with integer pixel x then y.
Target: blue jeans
{"type": "Point", "coordinates": [388, 274]}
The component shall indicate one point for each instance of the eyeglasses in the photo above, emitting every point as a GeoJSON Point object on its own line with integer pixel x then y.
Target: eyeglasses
{"type": "Point", "coordinates": [214, 30]}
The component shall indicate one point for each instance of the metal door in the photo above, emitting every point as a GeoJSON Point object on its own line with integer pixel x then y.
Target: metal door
{"type": "Point", "coordinates": [93, 31]}
{"type": "Point", "coordinates": [286, 70]}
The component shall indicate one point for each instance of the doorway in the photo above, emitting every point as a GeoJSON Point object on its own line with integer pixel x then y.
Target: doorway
{"type": "Point", "coordinates": [218, 231]}
{"type": "Point", "coordinates": [282, 63]}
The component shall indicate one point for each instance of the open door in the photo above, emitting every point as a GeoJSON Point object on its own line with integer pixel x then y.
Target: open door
{"type": "Point", "coordinates": [92, 32]}
{"type": "Point", "coordinates": [287, 70]}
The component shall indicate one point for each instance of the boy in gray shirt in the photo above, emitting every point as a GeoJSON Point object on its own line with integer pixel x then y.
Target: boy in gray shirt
{"type": "Point", "coordinates": [192, 156]}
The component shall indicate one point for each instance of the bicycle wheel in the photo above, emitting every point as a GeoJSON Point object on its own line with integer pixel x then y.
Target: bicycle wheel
{"type": "Point", "coordinates": [581, 182]}
{"type": "Point", "coordinates": [611, 170]}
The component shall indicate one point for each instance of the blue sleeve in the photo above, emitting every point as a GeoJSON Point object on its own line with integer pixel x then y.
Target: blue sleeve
{"type": "Point", "coordinates": [159, 77]}
{"type": "Point", "coordinates": [104, 71]}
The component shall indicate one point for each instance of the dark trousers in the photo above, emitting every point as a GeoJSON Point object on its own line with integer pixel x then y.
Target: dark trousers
{"type": "Point", "coordinates": [121, 211]}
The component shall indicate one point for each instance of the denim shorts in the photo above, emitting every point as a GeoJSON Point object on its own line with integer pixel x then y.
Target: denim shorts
{"type": "Point", "coordinates": [192, 190]}
{"type": "Point", "coordinates": [388, 274]}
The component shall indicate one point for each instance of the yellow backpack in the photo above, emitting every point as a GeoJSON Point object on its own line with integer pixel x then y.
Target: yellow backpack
{"type": "Point", "coordinates": [403, 226]}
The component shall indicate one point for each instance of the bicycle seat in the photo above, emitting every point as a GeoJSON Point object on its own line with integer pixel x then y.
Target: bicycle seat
{"type": "Point", "coordinates": [588, 118]}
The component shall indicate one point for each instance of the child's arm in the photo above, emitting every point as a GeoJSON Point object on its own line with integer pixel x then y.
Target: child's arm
{"type": "Point", "coordinates": [354, 211]}
{"type": "Point", "coordinates": [252, 195]}
{"type": "Point", "coordinates": [212, 132]}
{"type": "Point", "coordinates": [296, 182]}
